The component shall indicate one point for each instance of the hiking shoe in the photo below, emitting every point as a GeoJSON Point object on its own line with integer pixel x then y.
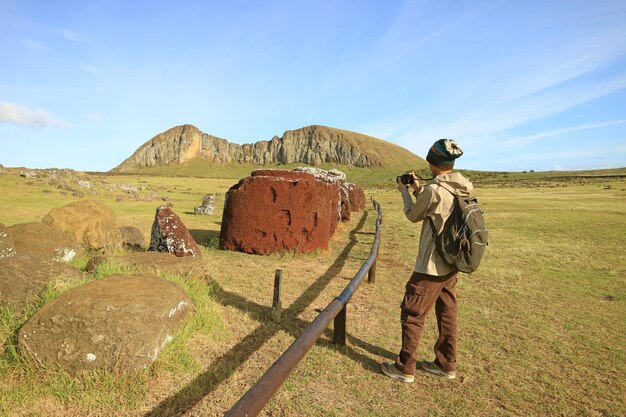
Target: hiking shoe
{"type": "Point", "coordinates": [436, 370]}
{"type": "Point", "coordinates": [390, 370]}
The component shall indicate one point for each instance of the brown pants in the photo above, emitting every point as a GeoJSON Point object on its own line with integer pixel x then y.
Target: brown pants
{"type": "Point", "coordinates": [422, 292]}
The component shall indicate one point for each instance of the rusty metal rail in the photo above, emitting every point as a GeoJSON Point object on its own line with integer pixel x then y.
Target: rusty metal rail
{"type": "Point", "coordinates": [264, 389]}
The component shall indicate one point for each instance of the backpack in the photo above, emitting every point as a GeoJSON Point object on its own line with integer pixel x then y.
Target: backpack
{"type": "Point", "coordinates": [463, 239]}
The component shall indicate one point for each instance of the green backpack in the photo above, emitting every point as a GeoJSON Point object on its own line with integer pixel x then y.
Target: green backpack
{"type": "Point", "coordinates": [463, 239]}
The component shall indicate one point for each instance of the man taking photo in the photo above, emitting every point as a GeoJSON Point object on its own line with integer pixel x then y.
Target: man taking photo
{"type": "Point", "coordinates": [433, 282]}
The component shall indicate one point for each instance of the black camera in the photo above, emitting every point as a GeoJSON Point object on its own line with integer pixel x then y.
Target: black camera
{"type": "Point", "coordinates": [405, 179]}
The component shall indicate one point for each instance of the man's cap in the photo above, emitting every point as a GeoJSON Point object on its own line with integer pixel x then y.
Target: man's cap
{"type": "Point", "coordinates": [443, 153]}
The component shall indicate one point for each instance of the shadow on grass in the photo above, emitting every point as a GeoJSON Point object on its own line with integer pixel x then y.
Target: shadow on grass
{"type": "Point", "coordinates": [204, 237]}
{"type": "Point", "coordinates": [226, 365]}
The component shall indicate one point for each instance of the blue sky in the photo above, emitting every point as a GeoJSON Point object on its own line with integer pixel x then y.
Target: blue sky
{"type": "Point", "coordinates": [520, 85]}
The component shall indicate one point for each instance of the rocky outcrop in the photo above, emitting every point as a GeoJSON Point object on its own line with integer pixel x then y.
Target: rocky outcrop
{"type": "Point", "coordinates": [310, 145]}
{"type": "Point", "coordinates": [91, 223]}
{"type": "Point", "coordinates": [169, 234]}
{"type": "Point", "coordinates": [120, 322]}
{"type": "Point", "coordinates": [275, 210]}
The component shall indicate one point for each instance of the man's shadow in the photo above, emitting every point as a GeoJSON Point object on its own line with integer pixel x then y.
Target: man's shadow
{"type": "Point", "coordinates": [226, 365]}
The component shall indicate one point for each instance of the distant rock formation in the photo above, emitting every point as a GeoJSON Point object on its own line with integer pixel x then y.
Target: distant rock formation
{"type": "Point", "coordinates": [310, 145]}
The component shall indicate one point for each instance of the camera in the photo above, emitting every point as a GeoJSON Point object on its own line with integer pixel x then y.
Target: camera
{"type": "Point", "coordinates": [405, 179]}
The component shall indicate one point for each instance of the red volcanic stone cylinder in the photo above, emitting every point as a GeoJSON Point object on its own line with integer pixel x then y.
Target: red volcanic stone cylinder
{"type": "Point", "coordinates": [357, 197]}
{"type": "Point", "coordinates": [276, 210]}
{"type": "Point", "coordinates": [169, 234]}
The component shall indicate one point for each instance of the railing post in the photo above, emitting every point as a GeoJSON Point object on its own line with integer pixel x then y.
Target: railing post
{"type": "Point", "coordinates": [340, 327]}
{"type": "Point", "coordinates": [276, 303]}
{"type": "Point", "coordinates": [371, 274]}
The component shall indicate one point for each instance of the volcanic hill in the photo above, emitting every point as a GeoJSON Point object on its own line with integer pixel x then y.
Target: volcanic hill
{"type": "Point", "coordinates": [311, 145]}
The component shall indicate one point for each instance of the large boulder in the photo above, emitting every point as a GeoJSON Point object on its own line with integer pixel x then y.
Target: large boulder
{"type": "Point", "coordinates": [356, 197]}
{"type": "Point", "coordinates": [90, 222]}
{"type": "Point", "coordinates": [156, 263]}
{"type": "Point", "coordinates": [276, 210]}
{"type": "Point", "coordinates": [42, 240]}
{"type": "Point", "coordinates": [169, 234]}
{"type": "Point", "coordinates": [121, 322]}
{"type": "Point", "coordinates": [22, 278]}
{"type": "Point", "coordinates": [7, 247]}
{"type": "Point", "coordinates": [132, 238]}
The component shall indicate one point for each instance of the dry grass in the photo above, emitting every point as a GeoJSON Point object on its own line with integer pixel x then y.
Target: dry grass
{"type": "Point", "coordinates": [541, 322]}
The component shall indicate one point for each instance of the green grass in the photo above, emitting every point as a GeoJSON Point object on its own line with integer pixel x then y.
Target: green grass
{"type": "Point", "coordinates": [541, 328]}
{"type": "Point", "coordinates": [104, 392]}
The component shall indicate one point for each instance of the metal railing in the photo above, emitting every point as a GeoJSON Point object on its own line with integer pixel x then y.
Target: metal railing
{"type": "Point", "coordinates": [264, 389]}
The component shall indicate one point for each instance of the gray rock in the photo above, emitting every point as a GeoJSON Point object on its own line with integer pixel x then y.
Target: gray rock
{"type": "Point", "coordinates": [121, 322]}
{"type": "Point", "coordinates": [132, 238]}
{"type": "Point", "coordinates": [31, 175]}
{"type": "Point", "coordinates": [208, 205]}
{"type": "Point", "coordinates": [128, 187]}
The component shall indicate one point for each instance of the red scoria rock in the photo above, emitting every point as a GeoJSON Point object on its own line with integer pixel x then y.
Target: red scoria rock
{"type": "Point", "coordinates": [275, 210]}
{"type": "Point", "coordinates": [169, 234]}
{"type": "Point", "coordinates": [357, 197]}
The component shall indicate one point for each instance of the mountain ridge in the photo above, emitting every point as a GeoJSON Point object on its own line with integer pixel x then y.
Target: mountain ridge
{"type": "Point", "coordinates": [311, 145]}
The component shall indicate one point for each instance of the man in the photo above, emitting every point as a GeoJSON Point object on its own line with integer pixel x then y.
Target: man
{"type": "Point", "coordinates": [433, 281]}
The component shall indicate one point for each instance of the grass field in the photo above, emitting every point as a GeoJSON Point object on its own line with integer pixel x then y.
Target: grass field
{"type": "Point", "coordinates": [541, 331]}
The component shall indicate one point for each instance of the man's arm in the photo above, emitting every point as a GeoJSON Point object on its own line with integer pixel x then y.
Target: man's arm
{"type": "Point", "coordinates": [416, 211]}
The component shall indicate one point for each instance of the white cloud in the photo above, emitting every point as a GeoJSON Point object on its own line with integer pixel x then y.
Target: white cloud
{"type": "Point", "coordinates": [558, 132]}
{"type": "Point", "coordinates": [37, 118]}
